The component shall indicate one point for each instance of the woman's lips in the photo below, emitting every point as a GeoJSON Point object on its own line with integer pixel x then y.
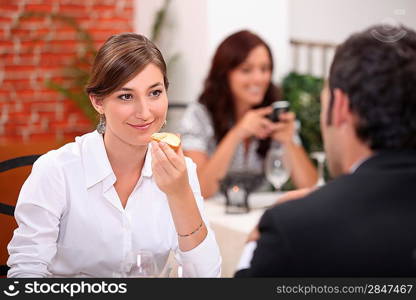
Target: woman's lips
{"type": "Point", "coordinates": [141, 126]}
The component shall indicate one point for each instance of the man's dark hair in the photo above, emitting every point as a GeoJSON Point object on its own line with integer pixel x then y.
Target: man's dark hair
{"type": "Point", "coordinates": [377, 70]}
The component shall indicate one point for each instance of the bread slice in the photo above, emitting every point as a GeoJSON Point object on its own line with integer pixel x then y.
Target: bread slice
{"type": "Point", "coordinates": [169, 138]}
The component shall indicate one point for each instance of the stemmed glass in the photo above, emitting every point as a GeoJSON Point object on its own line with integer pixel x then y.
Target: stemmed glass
{"type": "Point", "coordinates": [320, 158]}
{"type": "Point", "coordinates": [140, 264]}
{"type": "Point", "coordinates": [277, 170]}
{"type": "Point", "coordinates": [182, 270]}
{"type": "Point", "coordinates": [145, 265]}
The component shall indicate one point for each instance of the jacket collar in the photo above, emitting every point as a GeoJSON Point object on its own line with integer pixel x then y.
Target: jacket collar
{"type": "Point", "coordinates": [389, 160]}
{"type": "Point", "coordinates": [97, 167]}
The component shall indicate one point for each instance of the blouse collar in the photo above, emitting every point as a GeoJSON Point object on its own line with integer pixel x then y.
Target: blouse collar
{"type": "Point", "coordinates": [95, 160]}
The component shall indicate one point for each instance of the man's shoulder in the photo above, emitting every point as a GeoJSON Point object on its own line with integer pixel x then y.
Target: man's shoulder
{"type": "Point", "coordinates": [322, 201]}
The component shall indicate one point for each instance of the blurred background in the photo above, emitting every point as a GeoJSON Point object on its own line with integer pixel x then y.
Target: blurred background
{"type": "Point", "coordinates": [47, 46]}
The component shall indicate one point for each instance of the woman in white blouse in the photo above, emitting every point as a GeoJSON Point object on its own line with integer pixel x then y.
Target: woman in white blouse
{"type": "Point", "coordinates": [87, 208]}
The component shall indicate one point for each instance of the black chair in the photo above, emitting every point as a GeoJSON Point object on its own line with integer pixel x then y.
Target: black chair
{"type": "Point", "coordinates": [9, 209]}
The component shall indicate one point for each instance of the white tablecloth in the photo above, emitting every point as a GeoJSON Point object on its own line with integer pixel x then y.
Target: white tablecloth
{"type": "Point", "coordinates": [231, 230]}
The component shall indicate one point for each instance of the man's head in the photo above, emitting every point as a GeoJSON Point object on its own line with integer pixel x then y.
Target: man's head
{"type": "Point", "coordinates": [369, 103]}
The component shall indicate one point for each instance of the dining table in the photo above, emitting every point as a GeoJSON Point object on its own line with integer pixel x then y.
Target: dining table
{"type": "Point", "coordinates": [231, 230]}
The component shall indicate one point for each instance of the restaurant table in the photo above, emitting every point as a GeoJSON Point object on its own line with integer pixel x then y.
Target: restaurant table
{"type": "Point", "coordinates": [231, 230]}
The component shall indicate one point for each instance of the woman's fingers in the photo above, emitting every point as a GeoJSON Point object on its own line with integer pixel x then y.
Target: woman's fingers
{"type": "Point", "coordinates": [264, 111]}
{"type": "Point", "coordinates": [160, 159]}
{"type": "Point", "coordinates": [266, 123]}
{"type": "Point", "coordinates": [174, 158]}
{"type": "Point", "coordinates": [295, 194]}
{"type": "Point", "coordinates": [287, 117]}
{"type": "Point", "coordinates": [170, 169]}
{"type": "Point", "coordinates": [279, 127]}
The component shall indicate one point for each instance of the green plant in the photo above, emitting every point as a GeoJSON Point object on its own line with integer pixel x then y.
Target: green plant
{"type": "Point", "coordinates": [159, 21]}
{"type": "Point", "coordinates": [303, 93]}
{"type": "Point", "coordinates": [157, 27]}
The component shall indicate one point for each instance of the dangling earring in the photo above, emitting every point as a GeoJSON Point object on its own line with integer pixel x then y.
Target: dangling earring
{"type": "Point", "coordinates": [164, 124]}
{"type": "Point", "coordinates": [101, 124]}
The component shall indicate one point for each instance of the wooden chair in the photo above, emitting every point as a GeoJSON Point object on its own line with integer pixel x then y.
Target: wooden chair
{"type": "Point", "coordinates": [7, 209]}
{"type": "Point", "coordinates": [16, 161]}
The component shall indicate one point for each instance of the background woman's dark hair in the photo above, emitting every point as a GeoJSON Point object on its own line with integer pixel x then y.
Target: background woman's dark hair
{"type": "Point", "coordinates": [379, 76]}
{"type": "Point", "coordinates": [217, 96]}
{"type": "Point", "coordinates": [119, 60]}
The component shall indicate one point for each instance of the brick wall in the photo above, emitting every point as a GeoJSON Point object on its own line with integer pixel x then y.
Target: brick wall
{"type": "Point", "coordinates": [37, 49]}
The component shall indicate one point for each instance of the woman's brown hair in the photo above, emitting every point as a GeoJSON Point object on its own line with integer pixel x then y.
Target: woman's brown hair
{"type": "Point", "coordinates": [217, 96]}
{"type": "Point", "coordinates": [119, 60]}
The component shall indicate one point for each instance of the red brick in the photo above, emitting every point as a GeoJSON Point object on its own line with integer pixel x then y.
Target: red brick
{"type": "Point", "coordinates": [12, 85]}
{"type": "Point", "coordinates": [31, 23]}
{"type": "Point", "coordinates": [18, 68]}
{"type": "Point", "coordinates": [18, 117]}
{"type": "Point", "coordinates": [5, 19]}
{"type": "Point", "coordinates": [25, 95]}
{"type": "Point", "coordinates": [7, 8]}
{"type": "Point", "coordinates": [39, 7]}
{"type": "Point", "coordinates": [72, 10]}
{"type": "Point", "coordinates": [11, 59]}
{"type": "Point", "coordinates": [52, 59]}
{"type": "Point", "coordinates": [17, 75]}
{"type": "Point", "coordinates": [55, 59]}
{"type": "Point", "coordinates": [4, 93]}
{"type": "Point", "coordinates": [112, 24]}
{"type": "Point", "coordinates": [19, 32]}
{"type": "Point", "coordinates": [6, 43]}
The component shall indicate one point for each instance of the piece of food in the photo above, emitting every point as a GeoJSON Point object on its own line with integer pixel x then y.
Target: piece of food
{"type": "Point", "coordinates": [169, 138]}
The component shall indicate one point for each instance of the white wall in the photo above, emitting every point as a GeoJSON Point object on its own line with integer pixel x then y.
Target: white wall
{"type": "Point", "coordinates": [196, 27]}
{"type": "Point", "coordinates": [335, 20]}
{"type": "Point", "coordinates": [185, 34]}
{"type": "Point", "coordinates": [267, 18]}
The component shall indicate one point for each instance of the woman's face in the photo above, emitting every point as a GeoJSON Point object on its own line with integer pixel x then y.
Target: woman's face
{"type": "Point", "coordinates": [137, 109]}
{"type": "Point", "coordinates": [249, 81]}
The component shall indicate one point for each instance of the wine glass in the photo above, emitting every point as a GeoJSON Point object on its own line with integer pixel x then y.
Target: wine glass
{"type": "Point", "coordinates": [145, 265]}
{"type": "Point", "coordinates": [276, 168]}
{"type": "Point", "coordinates": [183, 270]}
{"type": "Point", "coordinates": [140, 264]}
{"type": "Point", "coordinates": [320, 158]}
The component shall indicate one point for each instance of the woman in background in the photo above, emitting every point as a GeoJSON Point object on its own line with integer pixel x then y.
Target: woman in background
{"type": "Point", "coordinates": [227, 130]}
{"type": "Point", "coordinates": [88, 208]}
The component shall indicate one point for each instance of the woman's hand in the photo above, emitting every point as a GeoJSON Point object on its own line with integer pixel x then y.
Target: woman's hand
{"type": "Point", "coordinates": [255, 123]}
{"type": "Point", "coordinates": [169, 169]}
{"type": "Point", "coordinates": [254, 235]}
{"type": "Point", "coordinates": [284, 130]}
{"type": "Point", "coordinates": [295, 194]}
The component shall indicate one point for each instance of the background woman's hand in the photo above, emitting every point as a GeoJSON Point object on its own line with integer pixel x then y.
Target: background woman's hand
{"type": "Point", "coordinates": [169, 169]}
{"type": "Point", "coordinates": [284, 130]}
{"type": "Point", "coordinates": [254, 235]}
{"type": "Point", "coordinates": [255, 123]}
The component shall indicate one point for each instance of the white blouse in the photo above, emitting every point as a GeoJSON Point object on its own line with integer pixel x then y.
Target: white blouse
{"type": "Point", "coordinates": [71, 222]}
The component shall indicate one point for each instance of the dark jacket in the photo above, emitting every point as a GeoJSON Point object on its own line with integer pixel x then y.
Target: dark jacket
{"type": "Point", "coordinates": [361, 224]}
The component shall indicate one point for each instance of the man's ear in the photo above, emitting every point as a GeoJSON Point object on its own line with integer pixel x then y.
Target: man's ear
{"type": "Point", "coordinates": [97, 103]}
{"type": "Point", "coordinates": [341, 108]}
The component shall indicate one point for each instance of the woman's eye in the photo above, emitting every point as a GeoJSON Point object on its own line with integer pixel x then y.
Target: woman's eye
{"type": "Point", "coordinates": [126, 97]}
{"type": "Point", "coordinates": [246, 70]}
{"type": "Point", "coordinates": [155, 93]}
